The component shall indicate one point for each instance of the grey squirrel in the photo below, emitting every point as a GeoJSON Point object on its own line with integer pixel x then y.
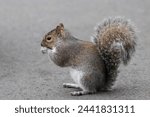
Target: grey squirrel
{"type": "Point", "coordinates": [93, 65]}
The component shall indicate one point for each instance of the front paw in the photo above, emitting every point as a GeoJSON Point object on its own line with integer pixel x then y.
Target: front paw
{"type": "Point", "coordinates": [43, 50]}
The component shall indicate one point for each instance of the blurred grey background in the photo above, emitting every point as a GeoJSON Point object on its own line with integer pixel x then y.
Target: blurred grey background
{"type": "Point", "coordinates": [27, 74]}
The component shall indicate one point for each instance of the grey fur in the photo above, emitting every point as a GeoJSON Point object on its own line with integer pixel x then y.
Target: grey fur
{"type": "Point", "coordinates": [94, 66]}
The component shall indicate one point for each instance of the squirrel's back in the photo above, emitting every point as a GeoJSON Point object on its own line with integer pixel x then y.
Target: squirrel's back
{"type": "Point", "coordinates": [116, 41]}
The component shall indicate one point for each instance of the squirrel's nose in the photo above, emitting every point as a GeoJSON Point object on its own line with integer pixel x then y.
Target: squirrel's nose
{"type": "Point", "coordinates": [42, 44]}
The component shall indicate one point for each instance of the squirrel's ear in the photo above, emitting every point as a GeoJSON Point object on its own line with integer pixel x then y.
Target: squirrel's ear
{"type": "Point", "coordinates": [60, 29]}
{"type": "Point", "coordinates": [61, 25]}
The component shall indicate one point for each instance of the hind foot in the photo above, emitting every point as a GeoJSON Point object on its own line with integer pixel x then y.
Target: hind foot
{"type": "Point", "coordinates": [80, 93]}
{"type": "Point", "coordinates": [69, 85]}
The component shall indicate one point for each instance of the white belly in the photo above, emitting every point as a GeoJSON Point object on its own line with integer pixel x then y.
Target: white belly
{"type": "Point", "coordinates": [76, 76]}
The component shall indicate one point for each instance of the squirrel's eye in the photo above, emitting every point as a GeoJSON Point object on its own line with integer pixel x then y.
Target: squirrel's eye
{"type": "Point", "coordinates": [48, 38]}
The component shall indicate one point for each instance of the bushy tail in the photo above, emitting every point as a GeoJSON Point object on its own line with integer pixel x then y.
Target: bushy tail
{"type": "Point", "coordinates": [116, 40]}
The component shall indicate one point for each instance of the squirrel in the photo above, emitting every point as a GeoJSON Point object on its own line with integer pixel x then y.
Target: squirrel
{"type": "Point", "coordinates": [93, 64]}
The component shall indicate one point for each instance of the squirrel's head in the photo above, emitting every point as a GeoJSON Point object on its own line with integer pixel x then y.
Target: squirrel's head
{"type": "Point", "coordinates": [50, 39]}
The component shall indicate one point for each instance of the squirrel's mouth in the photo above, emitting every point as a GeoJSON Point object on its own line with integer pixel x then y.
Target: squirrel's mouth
{"type": "Point", "coordinates": [49, 48]}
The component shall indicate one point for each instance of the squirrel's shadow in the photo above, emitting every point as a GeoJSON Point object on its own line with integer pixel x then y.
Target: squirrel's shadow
{"type": "Point", "coordinates": [118, 93]}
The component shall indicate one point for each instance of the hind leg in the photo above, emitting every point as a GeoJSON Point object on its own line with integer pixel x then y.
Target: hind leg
{"type": "Point", "coordinates": [89, 84]}
{"type": "Point", "coordinates": [77, 93]}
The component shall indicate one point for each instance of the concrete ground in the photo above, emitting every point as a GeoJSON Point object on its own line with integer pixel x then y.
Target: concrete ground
{"type": "Point", "coordinates": [27, 74]}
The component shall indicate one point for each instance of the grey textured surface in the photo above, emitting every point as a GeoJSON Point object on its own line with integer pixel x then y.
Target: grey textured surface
{"type": "Point", "coordinates": [26, 74]}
